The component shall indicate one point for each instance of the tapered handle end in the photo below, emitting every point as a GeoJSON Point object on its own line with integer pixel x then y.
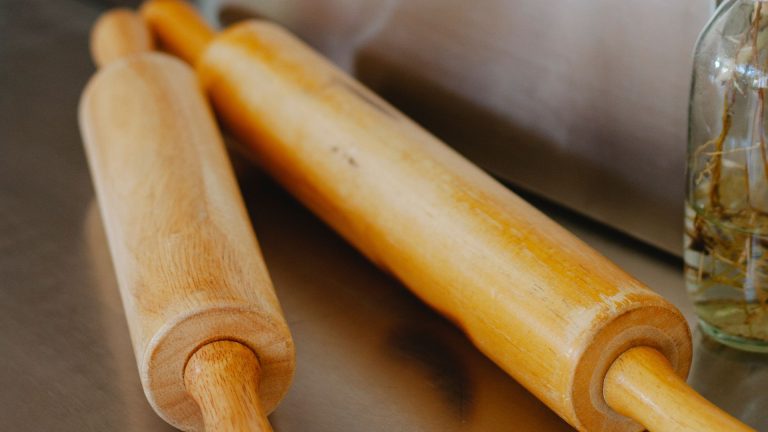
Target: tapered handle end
{"type": "Point", "coordinates": [179, 27]}
{"type": "Point", "coordinates": [119, 33]}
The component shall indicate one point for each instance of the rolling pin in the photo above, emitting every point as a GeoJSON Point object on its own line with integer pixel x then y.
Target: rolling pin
{"type": "Point", "coordinates": [597, 346]}
{"type": "Point", "coordinates": [212, 347]}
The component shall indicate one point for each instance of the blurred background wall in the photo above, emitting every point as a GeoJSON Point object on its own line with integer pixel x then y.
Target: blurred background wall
{"type": "Point", "coordinates": [582, 102]}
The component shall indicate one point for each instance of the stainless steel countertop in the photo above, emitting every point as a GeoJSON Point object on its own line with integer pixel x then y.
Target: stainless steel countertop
{"type": "Point", "coordinates": [370, 356]}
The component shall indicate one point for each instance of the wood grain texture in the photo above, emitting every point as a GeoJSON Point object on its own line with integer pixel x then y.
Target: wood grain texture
{"type": "Point", "coordinates": [544, 306]}
{"type": "Point", "coordinates": [117, 34]}
{"type": "Point", "coordinates": [640, 385]}
{"type": "Point", "coordinates": [187, 261]}
{"type": "Point", "coordinates": [223, 377]}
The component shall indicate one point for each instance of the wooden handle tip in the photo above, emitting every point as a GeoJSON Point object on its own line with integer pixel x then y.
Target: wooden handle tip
{"type": "Point", "coordinates": [119, 33]}
{"type": "Point", "coordinates": [642, 385]}
{"type": "Point", "coordinates": [223, 378]}
{"type": "Point", "coordinates": [179, 27]}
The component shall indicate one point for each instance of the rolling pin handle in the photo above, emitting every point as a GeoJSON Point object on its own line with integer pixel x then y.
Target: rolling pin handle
{"type": "Point", "coordinates": [181, 29]}
{"type": "Point", "coordinates": [119, 33]}
{"type": "Point", "coordinates": [223, 378]}
{"type": "Point", "coordinates": [642, 385]}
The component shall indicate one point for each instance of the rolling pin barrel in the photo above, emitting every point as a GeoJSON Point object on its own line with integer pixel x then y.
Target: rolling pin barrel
{"type": "Point", "coordinates": [197, 296]}
{"type": "Point", "coordinates": [544, 306]}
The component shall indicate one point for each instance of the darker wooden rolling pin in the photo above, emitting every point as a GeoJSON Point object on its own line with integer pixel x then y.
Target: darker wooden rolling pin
{"type": "Point", "coordinates": [212, 347]}
{"type": "Point", "coordinates": [593, 343]}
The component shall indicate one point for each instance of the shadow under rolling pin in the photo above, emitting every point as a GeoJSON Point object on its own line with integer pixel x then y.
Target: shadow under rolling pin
{"type": "Point", "coordinates": [213, 349]}
{"type": "Point", "coordinates": [598, 347]}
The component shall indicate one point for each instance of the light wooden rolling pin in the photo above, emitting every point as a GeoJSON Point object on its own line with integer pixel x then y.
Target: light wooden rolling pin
{"type": "Point", "coordinates": [593, 343]}
{"type": "Point", "coordinates": [212, 347]}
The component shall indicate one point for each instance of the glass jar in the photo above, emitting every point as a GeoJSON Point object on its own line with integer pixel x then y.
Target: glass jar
{"type": "Point", "coordinates": [726, 220]}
